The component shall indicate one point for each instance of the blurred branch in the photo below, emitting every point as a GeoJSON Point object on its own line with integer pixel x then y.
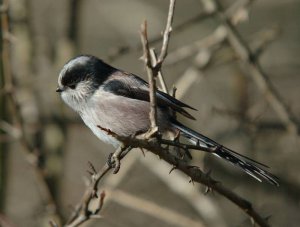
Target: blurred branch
{"type": "Point", "coordinates": [5, 222]}
{"type": "Point", "coordinates": [120, 51]}
{"type": "Point", "coordinates": [150, 208]}
{"type": "Point", "coordinates": [82, 211]}
{"type": "Point", "coordinates": [217, 37]}
{"type": "Point", "coordinates": [3, 111]}
{"type": "Point", "coordinates": [208, 11]}
{"type": "Point", "coordinates": [165, 214]}
{"type": "Point", "coordinates": [75, 6]}
{"type": "Point", "coordinates": [249, 122]}
{"type": "Point", "coordinates": [32, 153]}
{"type": "Point", "coordinates": [263, 40]}
{"type": "Point", "coordinates": [212, 40]}
{"type": "Point", "coordinates": [205, 206]}
{"type": "Point", "coordinates": [260, 77]}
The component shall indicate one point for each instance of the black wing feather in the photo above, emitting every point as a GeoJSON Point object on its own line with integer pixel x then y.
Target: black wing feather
{"type": "Point", "coordinates": [134, 87]}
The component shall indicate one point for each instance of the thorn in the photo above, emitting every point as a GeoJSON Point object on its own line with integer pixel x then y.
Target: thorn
{"type": "Point", "coordinates": [208, 190]}
{"type": "Point", "coordinates": [143, 152]}
{"type": "Point", "coordinates": [191, 181]}
{"type": "Point", "coordinates": [108, 131]}
{"type": "Point", "coordinates": [92, 168]}
{"type": "Point", "coordinates": [90, 173]}
{"type": "Point", "coordinates": [172, 169]}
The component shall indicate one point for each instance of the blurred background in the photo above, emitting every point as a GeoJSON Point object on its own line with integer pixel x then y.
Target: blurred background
{"type": "Point", "coordinates": [45, 148]}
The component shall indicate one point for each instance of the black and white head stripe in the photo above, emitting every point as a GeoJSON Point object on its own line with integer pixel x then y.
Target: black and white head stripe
{"type": "Point", "coordinates": [84, 67]}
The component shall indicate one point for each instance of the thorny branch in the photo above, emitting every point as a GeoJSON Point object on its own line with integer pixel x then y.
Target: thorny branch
{"type": "Point", "coordinates": [82, 211]}
{"type": "Point", "coordinates": [155, 145]}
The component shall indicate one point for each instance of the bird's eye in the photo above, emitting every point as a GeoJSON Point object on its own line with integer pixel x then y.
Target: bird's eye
{"type": "Point", "coordinates": [72, 86]}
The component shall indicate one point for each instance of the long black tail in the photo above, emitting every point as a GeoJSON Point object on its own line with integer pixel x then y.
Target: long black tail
{"type": "Point", "coordinates": [250, 166]}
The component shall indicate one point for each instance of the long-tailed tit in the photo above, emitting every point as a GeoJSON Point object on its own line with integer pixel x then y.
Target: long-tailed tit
{"type": "Point", "coordinates": [119, 101]}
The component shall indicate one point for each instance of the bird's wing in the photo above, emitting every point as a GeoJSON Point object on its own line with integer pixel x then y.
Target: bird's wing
{"type": "Point", "coordinates": [134, 87]}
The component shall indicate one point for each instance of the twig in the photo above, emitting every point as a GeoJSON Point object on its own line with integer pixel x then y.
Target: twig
{"type": "Point", "coordinates": [151, 78]}
{"type": "Point", "coordinates": [82, 213]}
{"type": "Point", "coordinates": [154, 68]}
{"type": "Point", "coordinates": [166, 36]}
{"type": "Point", "coordinates": [159, 73]}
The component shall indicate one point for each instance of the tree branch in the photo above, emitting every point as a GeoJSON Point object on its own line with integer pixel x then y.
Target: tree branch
{"type": "Point", "coordinates": [154, 145]}
{"type": "Point", "coordinates": [151, 78]}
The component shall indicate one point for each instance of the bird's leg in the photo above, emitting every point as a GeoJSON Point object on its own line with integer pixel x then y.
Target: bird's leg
{"type": "Point", "coordinates": [114, 158]}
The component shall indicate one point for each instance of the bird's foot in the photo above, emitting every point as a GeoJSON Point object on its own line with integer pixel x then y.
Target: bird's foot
{"type": "Point", "coordinates": [113, 160]}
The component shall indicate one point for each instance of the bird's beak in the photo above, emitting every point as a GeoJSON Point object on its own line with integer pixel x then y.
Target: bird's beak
{"type": "Point", "coordinates": [59, 89]}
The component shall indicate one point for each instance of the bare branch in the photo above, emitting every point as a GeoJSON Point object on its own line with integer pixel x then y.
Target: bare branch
{"type": "Point", "coordinates": [82, 213]}
{"type": "Point", "coordinates": [159, 73]}
{"type": "Point", "coordinates": [166, 36]}
{"type": "Point", "coordinates": [154, 145]}
{"type": "Point", "coordinates": [153, 69]}
{"type": "Point", "coordinates": [151, 77]}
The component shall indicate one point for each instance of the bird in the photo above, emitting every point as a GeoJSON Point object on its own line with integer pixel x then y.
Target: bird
{"type": "Point", "coordinates": [119, 101]}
